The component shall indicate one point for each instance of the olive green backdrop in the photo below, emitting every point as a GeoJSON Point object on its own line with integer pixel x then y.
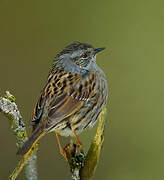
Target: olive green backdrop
{"type": "Point", "coordinates": [33, 32]}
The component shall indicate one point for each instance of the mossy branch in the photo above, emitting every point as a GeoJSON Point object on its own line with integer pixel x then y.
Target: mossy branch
{"type": "Point", "coordinates": [10, 110]}
{"type": "Point", "coordinates": [82, 166]}
{"type": "Point", "coordinates": [93, 155]}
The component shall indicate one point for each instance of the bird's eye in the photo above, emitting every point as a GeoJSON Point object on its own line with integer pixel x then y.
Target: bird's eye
{"type": "Point", "coordinates": [84, 55]}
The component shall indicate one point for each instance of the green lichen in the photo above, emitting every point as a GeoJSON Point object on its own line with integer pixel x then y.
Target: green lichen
{"type": "Point", "coordinates": [77, 161]}
{"type": "Point", "coordinates": [9, 96]}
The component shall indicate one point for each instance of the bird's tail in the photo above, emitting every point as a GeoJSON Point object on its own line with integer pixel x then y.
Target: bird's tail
{"type": "Point", "coordinates": [36, 135]}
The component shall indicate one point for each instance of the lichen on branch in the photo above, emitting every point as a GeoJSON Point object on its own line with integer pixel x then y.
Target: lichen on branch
{"type": "Point", "coordinates": [9, 108]}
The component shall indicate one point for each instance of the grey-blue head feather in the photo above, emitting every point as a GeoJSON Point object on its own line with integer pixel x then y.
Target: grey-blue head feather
{"type": "Point", "coordinates": [77, 58]}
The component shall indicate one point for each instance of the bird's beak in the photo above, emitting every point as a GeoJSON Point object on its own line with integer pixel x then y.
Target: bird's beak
{"type": "Point", "coordinates": [98, 50]}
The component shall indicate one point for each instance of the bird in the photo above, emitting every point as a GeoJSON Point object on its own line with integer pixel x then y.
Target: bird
{"type": "Point", "coordinates": [73, 97]}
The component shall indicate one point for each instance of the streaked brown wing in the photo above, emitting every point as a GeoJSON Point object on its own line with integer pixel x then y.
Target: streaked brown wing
{"type": "Point", "coordinates": [64, 109]}
{"type": "Point", "coordinates": [64, 95]}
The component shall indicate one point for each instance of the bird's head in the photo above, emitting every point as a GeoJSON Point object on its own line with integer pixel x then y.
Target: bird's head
{"type": "Point", "coordinates": [81, 54]}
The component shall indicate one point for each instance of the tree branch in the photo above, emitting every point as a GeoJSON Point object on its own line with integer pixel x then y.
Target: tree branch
{"type": "Point", "coordinates": [10, 110]}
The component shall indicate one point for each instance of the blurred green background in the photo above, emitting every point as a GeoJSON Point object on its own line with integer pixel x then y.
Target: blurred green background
{"type": "Point", "coordinates": [33, 32]}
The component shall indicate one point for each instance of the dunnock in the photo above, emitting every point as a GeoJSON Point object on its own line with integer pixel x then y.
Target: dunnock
{"type": "Point", "coordinates": [73, 97]}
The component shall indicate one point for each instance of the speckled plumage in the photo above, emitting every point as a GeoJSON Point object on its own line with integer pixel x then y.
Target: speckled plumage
{"type": "Point", "coordinates": [73, 97]}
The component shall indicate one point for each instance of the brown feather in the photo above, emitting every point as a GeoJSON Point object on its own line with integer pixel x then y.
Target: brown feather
{"type": "Point", "coordinates": [36, 135]}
